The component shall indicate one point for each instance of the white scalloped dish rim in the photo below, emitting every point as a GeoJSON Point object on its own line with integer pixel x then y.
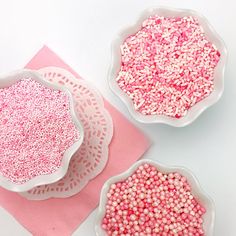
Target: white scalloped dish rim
{"type": "Point", "coordinates": [10, 79]}
{"type": "Point", "coordinates": [197, 191]}
{"type": "Point", "coordinates": [199, 107]}
{"type": "Point", "coordinates": [107, 140]}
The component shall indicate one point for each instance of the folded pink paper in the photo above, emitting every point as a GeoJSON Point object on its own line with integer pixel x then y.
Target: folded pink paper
{"type": "Point", "coordinates": [60, 217]}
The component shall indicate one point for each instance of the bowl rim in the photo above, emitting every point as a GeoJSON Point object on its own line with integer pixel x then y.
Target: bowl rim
{"type": "Point", "coordinates": [196, 110]}
{"type": "Point", "coordinates": [87, 84]}
{"type": "Point", "coordinates": [196, 190]}
{"type": "Point", "coordinates": [10, 79]}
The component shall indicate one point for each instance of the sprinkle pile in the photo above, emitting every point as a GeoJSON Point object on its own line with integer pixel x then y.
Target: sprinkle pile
{"type": "Point", "coordinates": [167, 66]}
{"type": "Point", "coordinates": [151, 203]}
{"type": "Point", "coordinates": [35, 130]}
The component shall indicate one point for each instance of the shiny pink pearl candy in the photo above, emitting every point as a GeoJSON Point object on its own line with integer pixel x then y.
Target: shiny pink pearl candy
{"type": "Point", "coordinates": [160, 210]}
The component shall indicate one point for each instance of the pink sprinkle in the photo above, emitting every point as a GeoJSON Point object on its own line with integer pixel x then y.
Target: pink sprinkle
{"type": "Point", "coordinates": [167, 66]}
{"type": "Point", "coordinates": [153, 203]}
{"type": "Point", "coordinates": [35, 130]}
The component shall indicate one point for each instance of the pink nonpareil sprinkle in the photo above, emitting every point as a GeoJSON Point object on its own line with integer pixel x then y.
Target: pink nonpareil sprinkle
{"type": "Point", "coordinates": [167, 66]}
{"type": "Point", "coordinates": [152, 203]}
{"type": "Point", "coordinates": [35, 130]}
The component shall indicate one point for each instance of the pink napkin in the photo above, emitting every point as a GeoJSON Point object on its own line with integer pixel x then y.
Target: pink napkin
{"type": "Point", "coordinates": [61, 217]}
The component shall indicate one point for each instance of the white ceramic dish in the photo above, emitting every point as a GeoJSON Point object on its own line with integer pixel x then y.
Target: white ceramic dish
{"type": "Point", "coordinates": [198, 108]}
{"type": "Point", "coordinates": [12, 78]}
{"type": "Point", "coordinates": [83, 166]}
{"type": "Point", "coordinates": [197, 191]}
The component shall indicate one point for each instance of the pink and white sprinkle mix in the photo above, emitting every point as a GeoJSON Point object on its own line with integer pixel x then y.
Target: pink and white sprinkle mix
{"type": "Point", "coordinates": [35, 130]}
{"type": "Point", "coordinates": [167, 66]}
{"type": "Point", "coordinates": [151, 203]}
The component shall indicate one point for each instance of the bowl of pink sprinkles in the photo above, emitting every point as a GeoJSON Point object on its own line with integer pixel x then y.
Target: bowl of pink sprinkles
{"type": "Point", "coordinates": [153, 199]}
{"type": "Point", "coordinates": [39, 131]}
{"type": "Point", "coordinates": [168, 67]}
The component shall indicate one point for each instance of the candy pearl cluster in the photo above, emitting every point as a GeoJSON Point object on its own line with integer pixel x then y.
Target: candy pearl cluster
{"type": "Point", "coordinates": [151, 203]}
{"type": "Point", "coordinates": [167, 66]}
{"type": "Point", "coordinates": [35, 130]}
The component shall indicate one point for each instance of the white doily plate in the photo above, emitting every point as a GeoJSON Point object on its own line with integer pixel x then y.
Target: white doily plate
{"type": "Point", "coordinates": [92, 156]}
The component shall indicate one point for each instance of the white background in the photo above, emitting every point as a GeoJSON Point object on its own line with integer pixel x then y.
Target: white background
{"type": "Point", "coordinates": [81, 33]}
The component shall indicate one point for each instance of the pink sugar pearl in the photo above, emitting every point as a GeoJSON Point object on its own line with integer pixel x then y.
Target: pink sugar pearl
{"type": "Point", "coordinates": [167, 66]}
{"type": "Point", "coordinates": [153, 203]}
{"type": "Point", "coordinates": [35, 130]}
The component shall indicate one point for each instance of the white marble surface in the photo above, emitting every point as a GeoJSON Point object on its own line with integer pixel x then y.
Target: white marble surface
{"type": "Point", "coordinates": [81, 33]}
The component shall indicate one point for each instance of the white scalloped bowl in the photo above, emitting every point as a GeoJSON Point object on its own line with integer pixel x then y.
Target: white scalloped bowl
{"type": "Point", "coordinates": [88, 97]}
{"type": "Point", "coordinates": [201, 196]}
{"type": "Point", "coordinates": [199, 107]}
{"type": "Point", "coordinates": [9, 80]}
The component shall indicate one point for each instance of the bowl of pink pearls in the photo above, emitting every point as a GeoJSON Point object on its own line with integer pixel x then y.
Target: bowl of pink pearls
{"type": "Point", "coordinates": [168, 67]}
{"type": "Point", "coordinates": [151, 199]}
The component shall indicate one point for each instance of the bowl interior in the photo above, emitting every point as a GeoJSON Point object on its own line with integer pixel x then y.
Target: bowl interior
{"type": "Point", "coordinates": [197, 191]}
{"type": "Point", "coordinates": [198, 108]}
{"type": "Point", "coordinates": [12, 78]}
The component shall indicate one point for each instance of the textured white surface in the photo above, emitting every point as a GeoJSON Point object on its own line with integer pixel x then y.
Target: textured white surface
{"type": "Point", "coordinates": [81, 33]}
{"type": "Point", "coordinates": [98, 131]}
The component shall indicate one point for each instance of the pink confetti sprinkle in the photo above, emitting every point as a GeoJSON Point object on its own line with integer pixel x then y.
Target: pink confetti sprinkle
{"type": "Point", "coordinates": [152, 203]}
{"type": "Point", "coordinates": [167, 66]}
{"type": "Point", "coordinates": [35, 130]}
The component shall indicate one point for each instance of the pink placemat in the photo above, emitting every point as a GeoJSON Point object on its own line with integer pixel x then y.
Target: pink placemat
{"type": "Point", "coordinates": [60, 217]}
